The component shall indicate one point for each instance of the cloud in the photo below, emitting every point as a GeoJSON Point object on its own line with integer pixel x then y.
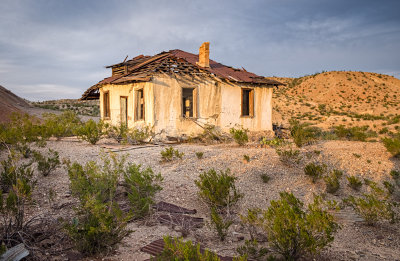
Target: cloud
{"type": "Point", "coordinates": [62, 46]}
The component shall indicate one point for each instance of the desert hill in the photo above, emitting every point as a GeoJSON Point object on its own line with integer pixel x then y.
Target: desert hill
{"type": "Point", "coordinates": [339, 97]}
{"type": "Point", "coordinates": [9, 103]}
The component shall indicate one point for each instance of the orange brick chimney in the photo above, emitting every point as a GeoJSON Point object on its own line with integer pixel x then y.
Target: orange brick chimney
{"type": "Point", "coordinates": [204, 54]}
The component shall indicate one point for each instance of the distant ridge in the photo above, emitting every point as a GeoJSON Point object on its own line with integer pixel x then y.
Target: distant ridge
{"type": "Point", "coordinates": [9, 103]}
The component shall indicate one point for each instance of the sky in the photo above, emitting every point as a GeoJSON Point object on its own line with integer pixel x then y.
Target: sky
{"type": "Point", "coordinates": [54, 49]}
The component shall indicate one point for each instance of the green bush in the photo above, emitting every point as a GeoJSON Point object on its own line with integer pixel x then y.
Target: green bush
{"type": "Point", "coordinates": [16, 193]}
{"type": "Point", "coordinates": [47, 164]}
{"type": "Point", "coordinates": [62, 125]}
{"type": "Point", "coordinates": [354, 182]}
{"type": "Point", "coordinates": [139, 135]}
{"type": "Point", "coordinates": [118, 133]}
{"type": "Point", "coordinates": [22, 130]}
{"type": "Point", "coordinates": [314, 171]}
{"type": "Point", "coordinates": [221, 223]}
{"type": "Point", "coordinates": [252, 250]}
{"type": "Point", "coordinates": [219, 192]}
{"type": "Point", "coordinates": [372, 207]}
{"type": "Point", "coordinates": [142, 185]}
{"type": "Point", "coordinates": [393, 145]}
{"type": "Point", "coordinates": [332, 181]}
{"type": "Point", "coordinates": [169, 154]}
{"type": "Point", "coordinates": [289, 156]}
{"type": "Point", "coordinates": [354, 133]}
{"type": "Point", "coordinates": [246, 158]}
{"type": "Point", "coordinates": [218, 189]}
{"type": "Point", "coordinates": [302, 133]}
{"type": "Point", "coordinates": [265, 178]}
{"type": "Point", "coordinates": [99, 223]}
{"type": "Point", "coordinates": [178, 250]}
{"type": "Point", "coordinates": [274, 143]}
{"type": "Point", "coordinates": [199, 154]}
{"type": "Point", "coordinates": [239, 135]}
{"type": "Point", "coordinates": [91, 131]}
{"type": "Point", "coordinates": [292, 230]}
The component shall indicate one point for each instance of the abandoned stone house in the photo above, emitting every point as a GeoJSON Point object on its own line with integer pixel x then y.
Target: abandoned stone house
{"type": "Point", "coordinates": [177, 93]}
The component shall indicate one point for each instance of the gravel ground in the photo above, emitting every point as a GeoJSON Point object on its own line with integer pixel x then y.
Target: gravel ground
{"type": "Point", "coordinates": [355, 241]}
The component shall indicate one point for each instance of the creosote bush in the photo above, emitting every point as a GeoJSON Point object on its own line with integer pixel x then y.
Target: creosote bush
{"type": "Point", "coordinates": [62, 125]}
{"type": "Point", "coordinates": [354, 182]}
{"type": "Point", "coordinates": [169, 154]}
{"type": "Point", "coordinates": [314, 171]}
{"type": "Point", "coordinates": [17, 185]}
{"type": "Point", "coordinates": [99, 223]}
{"type": "Point", "coordinates": [218, 191]}
{"type": "Point", "coordinates": [292, 230]}
{"type": "Point", "coordinates": [177, 249]}
{"type": "Point", "coordinates": [374, 206]}
{"type": "Point", "coordinates": [302, 133]}
{"type": "Point", "coordinates": [199, 154]}
{"type": "Point", "coordinates": [239, 135]}
{"type": "Point", "coordinates": [142, 186]}
{"type": "Point", "coordinates": [252, 250]}
{"type": "Point", "coordinates": [47, 164]}
{"type": "Point", "coordinates": [332, 181]}
{"type": "Point", "coordinates": [393, 145]}
{"type": "Point", "coordinates": [91, 131]}
{"type": "Point", "coordinates": [265, 178]}
{"type": "Point", "coordinates": [289, 156]}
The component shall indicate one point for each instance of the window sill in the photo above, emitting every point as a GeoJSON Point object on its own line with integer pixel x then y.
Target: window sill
{"type": "Point", "coordinates": [247, 116]}
{"type": "Point", "coordinates": [106, 118]}
{"type": "Point", "coordinates": [139, 120]}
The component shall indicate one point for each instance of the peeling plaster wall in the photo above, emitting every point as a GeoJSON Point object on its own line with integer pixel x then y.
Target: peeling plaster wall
{"type": "Point", "coordinates": [128, 90]}
{"type": "Point", "coordinates": [231, 108]}
{"type": "Point", "coordinates": [217, 103]}
{"type": "Point", "coordinates": [168, 104]}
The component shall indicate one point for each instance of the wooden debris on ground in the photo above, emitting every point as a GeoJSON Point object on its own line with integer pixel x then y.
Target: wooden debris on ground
{"type": "Point", "coordinates": [15, 253]}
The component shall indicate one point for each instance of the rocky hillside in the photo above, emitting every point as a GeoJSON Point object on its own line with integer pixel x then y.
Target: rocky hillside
{"type": "Point", "coordinates": [340, 97]}
{"type": "Point", "coordinates": [9, 103]}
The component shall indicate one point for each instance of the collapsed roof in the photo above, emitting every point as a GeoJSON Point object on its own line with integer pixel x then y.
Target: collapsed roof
{"type": "Point", "coordinates": [142, 68]}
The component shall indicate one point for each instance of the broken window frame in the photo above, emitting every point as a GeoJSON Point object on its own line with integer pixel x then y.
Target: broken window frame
{"type": "Point", "coordinates": [106, 105]}
{"type": "Point", "coordinates": [139, 105]}
{"type": "Point", "coordinates": [247, 102]}
{"type": "Point", "coordinates": [193, 102]}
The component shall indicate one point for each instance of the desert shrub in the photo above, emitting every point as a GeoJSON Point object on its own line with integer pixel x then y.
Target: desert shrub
{"type": "Point", "coordinates": [47, 164]}
{"type": "Point", "coordinates": [177, 249]}
{"type": "Point", "coordinates": [354, 133]}
{"type": "Point", "coordinates": [332, 181]}
{"type": "Point", "coordinates": [393, 145]}
{"type": "Point", "coordinates": [314, 171]}
{"type": "Point", "coordinates": [199, 154]}
{"type": "Point", "coordinates": [212, 133]}
{"type": "Point", "coordinates": [389, 187]}
{"type": "Point", "coordinates": [118, 133]}
{"type": "Point", "coordinates": [99, 223]}
{"type": "Point", "coordinates": [265, 178]}
{"type": "Point", "coordinates": [22, 130]}
{"type": "Point", "coordinates": [252, 250]}
{"type": "Point", "coordinates": [91, 131]}
{"type": "Point", "coordinates": [219, 192]}
{"type": "Point", "coordinates": [292, 230]}
{"type": "Point", "coordinates": [288, 156]}
{"type": "Point", "coordinates": [302, 133]}
{"type": "Point", "coordinates": [220, 222]}
{"type": "Point", "coordinates": [354, 182]}
{"type": "Point", "coordinates": [141, 185]}
{"type": "Point", "coordinates": [372, 207]}
{"type": "Point", "coordinates": [169, 154]}
{"type": "Point", "coordinates": [274, 143]}
{"type": "Point", "coordinates": [246, 158]}
{"type": "Point", "coordinates": [395, 174]}
{"type": "Point", "coordinates": [218, 189]}
{"type": "Point", "coordinates": [239, 135]}
{"type": "Point", "coordinates": [139, 135]}
{"type": "Point", "coordinates": [16, 193]}
{"type": "Point", "coordinates": [62, 125]}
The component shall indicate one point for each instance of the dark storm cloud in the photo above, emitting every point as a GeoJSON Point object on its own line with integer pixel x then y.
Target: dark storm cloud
{"type": "Point", "coordinates": [57, 49]}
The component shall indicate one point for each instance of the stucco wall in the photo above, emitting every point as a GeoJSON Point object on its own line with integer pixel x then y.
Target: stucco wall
{"type": "Point", "coordinates": [217, 103]}
{"type": "Point", "coordinates": [168, 104]}
{"type": "Point", "coordinates": [116, 91]}
{"type": "Point", "coordinates": [231, 108]}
